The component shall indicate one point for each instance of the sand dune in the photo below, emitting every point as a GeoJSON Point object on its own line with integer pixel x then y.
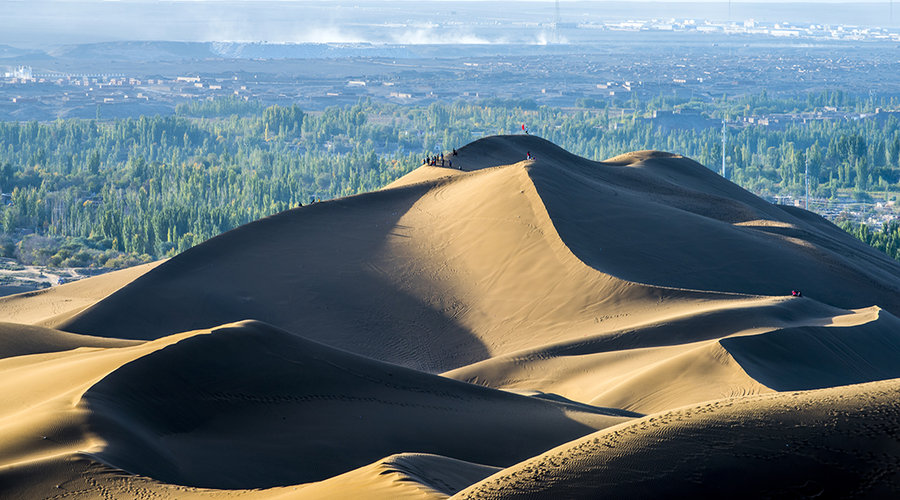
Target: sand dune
{"type": "Point", "coordinates": [202, 413]}
{"type": "Point", "coordinates": [776, 344]}
{"type": "Point", "coordinates": [195, 409]}
{"type": "Point", "coordinates": [718, 236]}
{"type": "Point", "coordinates": [831, 443]}
{"type": "Point", "coordinates": [633, 314]}
{"type": "Point", "coordinates": [403, 476]}
{"type": "Point", "coordinates": [412, 476]}
{"type": "Point", "coordinates": [51, 306]}
{"type": "Point", "coordinates": [41, 383]}
{"type": "Point", "coordinates": [814, 357]}
{"type": "Point", "coordinates": [482, 256]}
{"type": "Point", "coordinates": [21, 340]}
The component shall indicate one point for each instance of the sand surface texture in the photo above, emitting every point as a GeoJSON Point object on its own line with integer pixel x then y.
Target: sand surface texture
{"type": "Point", "coordinates": [509, 328]}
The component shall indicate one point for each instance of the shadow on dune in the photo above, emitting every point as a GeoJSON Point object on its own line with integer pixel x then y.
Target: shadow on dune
{"type": "Point", "coordinates": [804, 358]}
{"type": "Point", "coordinates": [251, 406]}
{"type": "Point", "coordinates": [663, 220]}
{"type": "Point", "coordinates": [342, 271]}
{"type": "Point", "coordinates": [319, 269]}
{"type": "Point", "coordinates": [692, 328]}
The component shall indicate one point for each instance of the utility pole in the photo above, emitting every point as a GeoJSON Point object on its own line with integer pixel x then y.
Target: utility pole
{"type": "Point", "coordinates": [723, 147]}
{"type": "Point", "coordinates": [806, 176]}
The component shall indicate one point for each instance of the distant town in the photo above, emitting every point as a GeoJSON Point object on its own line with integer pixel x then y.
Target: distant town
{"type": "Point", "coordinates": [617, 61]}
{"type": "Point", "coordinates": [751, 27]}
{"type": "Point", "coordinates": [760, 102]}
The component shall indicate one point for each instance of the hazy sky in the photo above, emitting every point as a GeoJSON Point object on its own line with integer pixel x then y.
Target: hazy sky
{"type": "Point", "coordinates": [351, 2]}
{"type": "Point", "coordinates": [45, 23]}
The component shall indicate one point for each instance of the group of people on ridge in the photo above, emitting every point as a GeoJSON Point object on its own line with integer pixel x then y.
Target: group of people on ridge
{"type": "Point", "coordinates": [438, 160]}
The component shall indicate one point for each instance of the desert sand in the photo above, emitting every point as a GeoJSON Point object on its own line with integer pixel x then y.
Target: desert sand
{"type": "Point", "coordinates": [508, 328]}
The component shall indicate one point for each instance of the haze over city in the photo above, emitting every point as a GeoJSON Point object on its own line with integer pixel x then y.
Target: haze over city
{"type": "Point", "coordinates": [46, 23]}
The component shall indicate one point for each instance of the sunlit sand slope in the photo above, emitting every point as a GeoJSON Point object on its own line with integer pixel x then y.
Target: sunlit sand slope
{"type": "Point", "coordinates": [412, 476]}
{"type": "Point", "coordinates": [53, 305]}
{"type": "Point", "coordinates": [830, 443]}
{"type": "Point", "coordinates": [21, 340]}
{"type": "Point", "coordinates": [774, 344]}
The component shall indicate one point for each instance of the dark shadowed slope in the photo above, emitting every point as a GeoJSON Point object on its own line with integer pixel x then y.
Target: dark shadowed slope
{"type": "Point", "coordinates": [663, 219]}
{"type": "Point", "coordinates": [318, 268]}
{"type": "Point", "coordinates": [670, 221]}
{"type": "Point", "coordinates": [249, 406]}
